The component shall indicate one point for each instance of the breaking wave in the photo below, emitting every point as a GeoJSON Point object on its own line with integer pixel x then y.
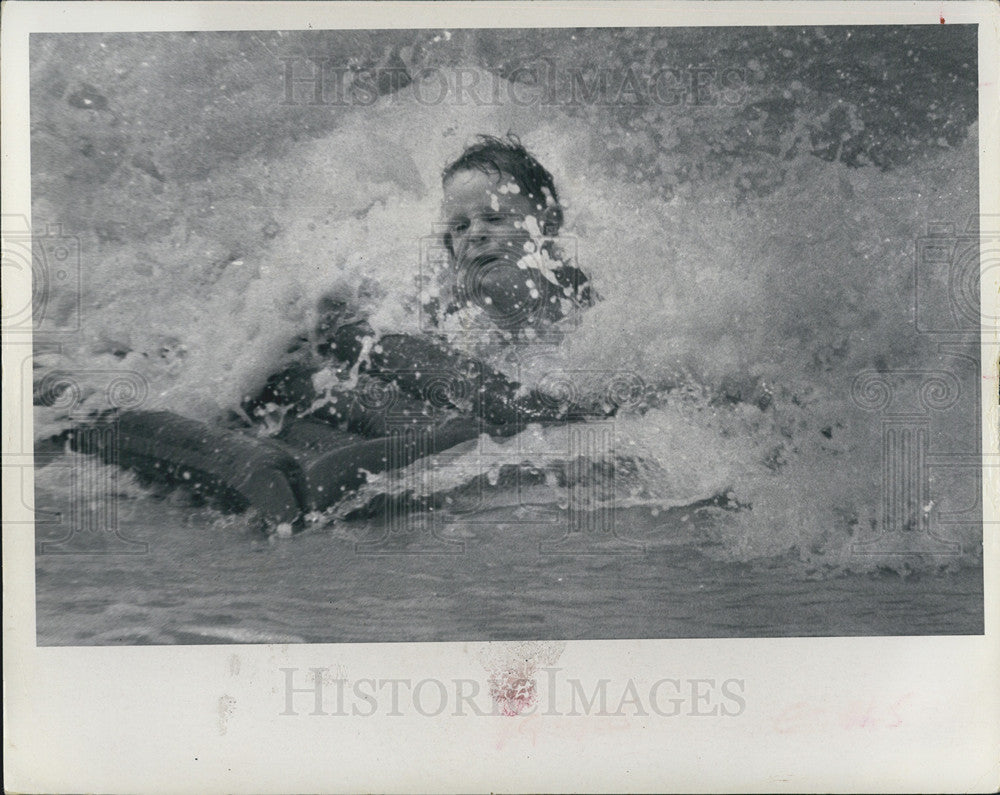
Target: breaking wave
{"type": "Point", "coordinates": [744, 318]}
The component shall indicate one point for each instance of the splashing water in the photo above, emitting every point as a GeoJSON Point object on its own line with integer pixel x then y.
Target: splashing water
{"type": "Point", "coordinates": [744, 321]}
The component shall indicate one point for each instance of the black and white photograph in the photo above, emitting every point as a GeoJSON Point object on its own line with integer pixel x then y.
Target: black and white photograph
{"type": "Point", "coordinates": [506, 334]}
{"type": "Point", "coordinates": [518, 336]}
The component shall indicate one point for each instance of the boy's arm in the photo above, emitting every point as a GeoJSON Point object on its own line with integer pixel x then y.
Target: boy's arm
{"type": "Point", "coordinates": [413, 362]}
{"type": "Point", "coordinates": [416, 365]}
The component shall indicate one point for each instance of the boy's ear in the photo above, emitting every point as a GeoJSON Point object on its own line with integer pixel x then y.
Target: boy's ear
{"type": "Point", "coordinates": [552, 219]}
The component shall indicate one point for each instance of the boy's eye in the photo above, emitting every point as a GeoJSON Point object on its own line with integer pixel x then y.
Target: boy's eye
{"type": "Point", "coordinates": [460, 226]}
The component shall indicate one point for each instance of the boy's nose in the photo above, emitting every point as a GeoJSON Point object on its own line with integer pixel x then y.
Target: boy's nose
{"type": "Point", "coordinates": [478, 229]}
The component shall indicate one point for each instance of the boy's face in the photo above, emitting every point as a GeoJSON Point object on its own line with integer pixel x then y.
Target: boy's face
{"type": "Point", "coordinates": [490, 226]}
{"type": "Point", "coordinates": [486, 215]}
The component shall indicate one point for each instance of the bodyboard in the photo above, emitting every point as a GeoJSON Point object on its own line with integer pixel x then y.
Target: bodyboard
{"type": "Point", "coordinates": [308, 466]}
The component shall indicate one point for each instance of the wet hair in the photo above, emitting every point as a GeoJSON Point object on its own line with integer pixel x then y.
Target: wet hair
{"type": "Point", "coordinates": [493, 155]}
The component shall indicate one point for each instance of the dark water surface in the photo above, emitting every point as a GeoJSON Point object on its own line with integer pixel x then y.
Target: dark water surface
{"type": "Point", "coordinates": [205, 582]}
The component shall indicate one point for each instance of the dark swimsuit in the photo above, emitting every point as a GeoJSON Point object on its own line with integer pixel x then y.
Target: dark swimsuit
{"type": "Point", "coordinates": [405, 375]}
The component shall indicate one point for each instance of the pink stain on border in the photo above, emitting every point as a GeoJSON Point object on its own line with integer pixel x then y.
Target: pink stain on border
{"type": "Point", "coordinates": [512, 691]}
{"type": "Point", "coordinates": [512, 667]}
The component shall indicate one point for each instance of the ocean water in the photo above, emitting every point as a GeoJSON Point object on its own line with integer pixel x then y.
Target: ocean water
{"type": "Point", "coordinates": [759, 286]}
{"type": "Point", "coordinates": [201, 582]}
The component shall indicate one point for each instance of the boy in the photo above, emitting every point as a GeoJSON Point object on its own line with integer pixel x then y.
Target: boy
{"type": "Point", "coordinates": [380, 403]}
{"type": "Point", "coordinates": [501, 217]}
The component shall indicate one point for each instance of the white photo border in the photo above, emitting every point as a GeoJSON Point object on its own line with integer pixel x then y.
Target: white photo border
{"type": "Point", "coordinates": [847, 714]}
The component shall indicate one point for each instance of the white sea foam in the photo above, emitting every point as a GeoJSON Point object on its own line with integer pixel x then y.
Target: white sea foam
{"type": "Point", "coordinates": [788, 297]}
